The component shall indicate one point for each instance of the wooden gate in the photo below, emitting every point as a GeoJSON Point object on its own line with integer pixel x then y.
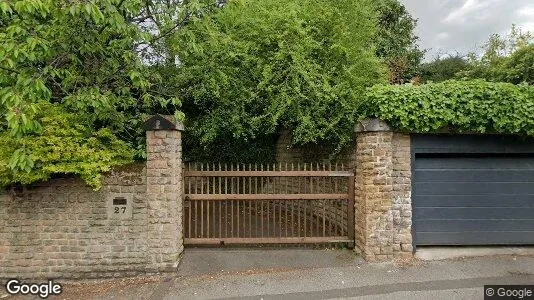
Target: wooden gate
{"type": "Point", "coordinates": [268, 204]}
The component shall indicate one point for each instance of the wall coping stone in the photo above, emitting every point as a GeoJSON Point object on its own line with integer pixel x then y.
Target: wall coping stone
{"type": "Point", "coordinates": [163, 122]}
{"type": "Point", "coordinates": [371, 125]}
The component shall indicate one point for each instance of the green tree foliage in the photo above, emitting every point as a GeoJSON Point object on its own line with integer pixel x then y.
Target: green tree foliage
{"type": "Point", "coordinates": [505, 59]}
{"type": "Point", "coordinates": [90, 57]}
{"type": "Point", "coordinates": [63, 146]}
{"type": "Point", "coordinates": [161, 19]}
{"type": "Point", "coordinates": [519, 67]}
{"type": "Point", "coordinates": [257, 66]}
{"type": "Point", "coordinates": [396, 41]}
{"type": "Point", "coordinates": [464, 106]}
{"type": "Point", "coordinates": [443, 68]}
{"type": "Point", "coordinates": [230, 150]}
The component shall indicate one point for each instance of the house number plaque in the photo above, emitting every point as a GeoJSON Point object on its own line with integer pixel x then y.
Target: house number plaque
{"type": "Point", "coordinates": [120, 207]}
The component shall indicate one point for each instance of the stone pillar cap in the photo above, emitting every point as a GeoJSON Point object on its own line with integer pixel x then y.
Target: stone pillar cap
{"type": "Point", "coordinates": [371, 125]}
{"type": "Point", "coordinates": [159, 122]}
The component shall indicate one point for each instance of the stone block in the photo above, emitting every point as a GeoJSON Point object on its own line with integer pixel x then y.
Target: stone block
{"type": "Point", "coordinates": [382, 193]}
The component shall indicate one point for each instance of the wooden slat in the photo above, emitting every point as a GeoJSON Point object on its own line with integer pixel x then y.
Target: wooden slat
{"type": "Point", "coordinates": [277, 240]}
{"type": "Point", "coordinates": [268, 173]}
{"type": "Point", "coordinates": [200, 197]}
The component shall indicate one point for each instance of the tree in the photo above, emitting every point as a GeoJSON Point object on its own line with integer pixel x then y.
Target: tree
{"type": "Point", "coordinates": [396, 41]}
{"type": "Point", "coordinates": [443, 68]}
{"type": "Point", "coordinates": [257, 66]}
{"type": "Point", "coordinates": [519, 67]}
{"type": "Point", "coordinates": [91, 60]}
{"type": "Point", "coordinates": [504, 59]}
{"type": "Point", "coordinates": [162, 18]}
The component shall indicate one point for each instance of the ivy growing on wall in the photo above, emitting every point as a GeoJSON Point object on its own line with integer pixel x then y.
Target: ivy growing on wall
{"type": "Point", "coordinates": [462, 106]}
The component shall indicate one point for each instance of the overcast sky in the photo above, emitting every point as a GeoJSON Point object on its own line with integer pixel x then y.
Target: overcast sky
{"type": "Point", "coordinates": [447, 26]}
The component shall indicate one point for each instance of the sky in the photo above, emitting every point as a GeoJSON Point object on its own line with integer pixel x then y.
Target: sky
{"type": "Point", "coordinates": [450, 26]}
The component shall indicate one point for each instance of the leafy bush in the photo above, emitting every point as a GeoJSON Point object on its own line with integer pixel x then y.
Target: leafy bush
{"type": "Point", "coordinates": [464, 106]}
{"type": "Point", "coordinates": [87, 57]}
{"type": "Point", "coordinates": [519, 67]}
{"type": "Point", "coordinates": [443, 68]}
{"type": "Point", "coordinates": [62, 147]}
{"type": "Point", "coordinates": [257, 66]}
{"type": "Point", "coordinates": [504, 59]}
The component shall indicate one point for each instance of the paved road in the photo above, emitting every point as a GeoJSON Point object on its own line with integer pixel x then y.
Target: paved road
{"type": "Point", "coordinates": [338, 274]}
{"type": "Point", "coordinates": [313, 274]}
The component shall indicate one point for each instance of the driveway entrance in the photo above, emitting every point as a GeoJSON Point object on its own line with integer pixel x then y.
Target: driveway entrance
{"type": "Point", "coordinates": [268, 204]}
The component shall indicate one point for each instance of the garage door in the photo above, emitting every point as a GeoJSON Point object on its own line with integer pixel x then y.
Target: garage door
{"type": "Point", "coordinates": [465, 194]}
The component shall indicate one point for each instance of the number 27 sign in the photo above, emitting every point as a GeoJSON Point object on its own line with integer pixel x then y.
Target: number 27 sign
{"type": "Point", "coordinates": [119, 206]}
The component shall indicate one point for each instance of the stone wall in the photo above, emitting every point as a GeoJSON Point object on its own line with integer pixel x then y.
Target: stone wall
{"type": "Point", "coordinates": [402, 194]}
{"type": "Point", "coordinates": [164, 198]}
{"type": "Point", "coordinates": [313, 153]}
{"type": "Point", "coordinates": [60, 229]}
{"type": "Point", "coordinates": [63, 229]}
{"type": "Point", "coordinates": [383, 193]}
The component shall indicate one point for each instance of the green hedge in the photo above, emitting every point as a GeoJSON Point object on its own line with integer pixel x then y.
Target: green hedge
{"type": "Point", "coordinates": [461, 106]}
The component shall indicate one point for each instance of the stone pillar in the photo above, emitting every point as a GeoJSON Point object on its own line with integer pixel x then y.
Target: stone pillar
{"type": "Point", "coordinates": [382, 192]}
{"type": "Point", "coordinates": [164, 193]}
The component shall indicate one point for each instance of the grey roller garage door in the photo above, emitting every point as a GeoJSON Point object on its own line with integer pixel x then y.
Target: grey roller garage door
{"type": "Point", "coordinates": [466, 195]}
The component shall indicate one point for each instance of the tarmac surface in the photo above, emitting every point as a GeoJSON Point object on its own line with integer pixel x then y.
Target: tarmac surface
{"type": "Point", "coordinates": [311, 274]}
